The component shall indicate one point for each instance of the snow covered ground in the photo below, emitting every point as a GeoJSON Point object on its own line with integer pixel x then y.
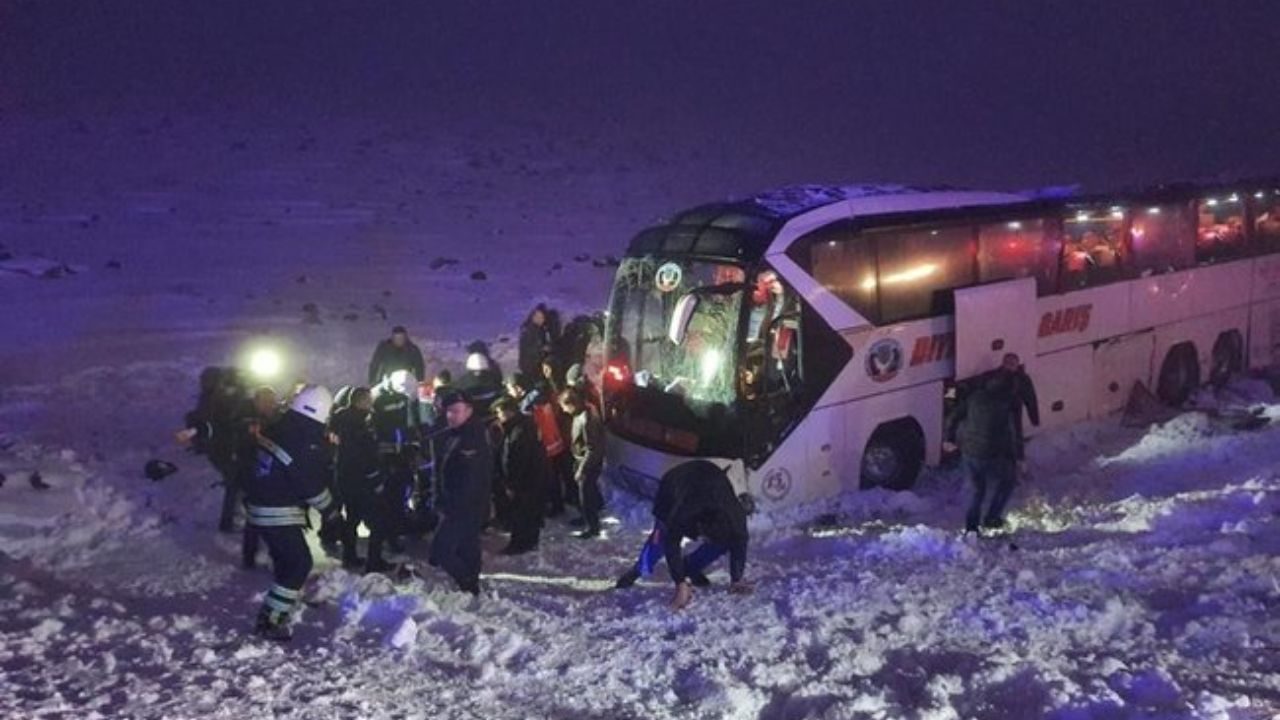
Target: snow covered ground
{"type": "Point", "coordinates": [1143, 579]}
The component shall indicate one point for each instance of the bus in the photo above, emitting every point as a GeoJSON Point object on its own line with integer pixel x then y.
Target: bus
{"type": "Point", "coordinates": [806, 338]}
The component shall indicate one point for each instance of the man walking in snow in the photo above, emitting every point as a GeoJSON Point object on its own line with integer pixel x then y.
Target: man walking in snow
{"type": "Point", "coordinates": [289, 476]}
{"type": "Point", "coordinates": [466, 474]}
{"type": "Point", "coordinates": [986, 423]}
{"type": "Point", "coordinates": [395, 353]}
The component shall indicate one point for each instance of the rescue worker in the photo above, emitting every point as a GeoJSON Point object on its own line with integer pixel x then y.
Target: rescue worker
{"type": "Point", "coordinates": [587, 445]}
{"type": "Point", "coordinates": [289, 477]}
{"type": "Point", "coordinates": [546, 417]}
{"type": "Point", "coordinates": [695, 500]}
{"type": "Point", "coordinates": [360, 483]}
{"type": "Point", "coordinates": [266, 411]}
{"type": "Point", "coordinates": [522, 467]}
{"type": "Point", "coordinates": [395, 424]}
{"type": "Point", "coordinates": [483, 379]}
{"type": "Point", "coordinates": [986, 424]}
{"type": "Point", "coordinates": [395, 353]}
{"type": "Point", "coordinates": [466, 472]}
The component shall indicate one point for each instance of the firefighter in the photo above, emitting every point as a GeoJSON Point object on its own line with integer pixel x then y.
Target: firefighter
{"type": "Point", "coordinates": [288, 478]}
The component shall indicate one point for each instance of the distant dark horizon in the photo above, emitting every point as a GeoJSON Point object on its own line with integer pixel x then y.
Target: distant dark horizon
{"type": "Point", "coordinates": [1005, 94]}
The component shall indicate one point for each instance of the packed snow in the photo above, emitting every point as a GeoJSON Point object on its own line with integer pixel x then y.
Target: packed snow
{"type": "Point", "coordinates": [1142, 578]}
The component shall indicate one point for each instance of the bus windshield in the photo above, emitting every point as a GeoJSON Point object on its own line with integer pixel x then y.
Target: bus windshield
{"type": "Point", "coordinates": [674, 383]}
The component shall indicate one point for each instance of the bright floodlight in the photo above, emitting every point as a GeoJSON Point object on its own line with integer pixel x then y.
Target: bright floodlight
{"type": "Point", "coordinates": [265, 363]}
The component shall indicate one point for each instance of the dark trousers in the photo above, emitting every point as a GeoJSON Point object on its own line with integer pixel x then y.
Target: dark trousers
{"type": "Point", "coordinates": [398, 470]}
{"type": "Point", "coordinates": [455, 548]}
{"type": "Point", "coordinates": [991, 477]}
{"type": "Point", "coordinates": [559, 475]}
{"type": "Point", "coordinates": [564, 471]}
{"type": "Point", "coordinates": [365, 506]}
{"type": "Point", "coordinates": [291, 564]}
{"type": "Point", "coordinates": [590, 501]}
{"type": "Point", "coordinates": [526, 519]}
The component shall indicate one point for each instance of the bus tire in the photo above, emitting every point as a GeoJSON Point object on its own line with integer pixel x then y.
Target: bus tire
{"type": "Point", "coordinates": [1179, 375]}
{"type": "Point", "coordinates": [893, 456]}
{"type": "Point", "coordinates": [1228, 357]}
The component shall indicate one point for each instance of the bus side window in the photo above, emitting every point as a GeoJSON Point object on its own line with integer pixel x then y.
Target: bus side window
{"type": "Point", "coordinates": [1266, 221]}
{"type": "Point", "coordinates": [1220, 229]}
{"type": "Point", "coordinates": [1020, 248]}
{"type": "Point", "coordinates": [918, 268]}
{"type": "Point", "coordinates": [1092, 247]}
{"type": "Point", "coordinates": [1162, 239]}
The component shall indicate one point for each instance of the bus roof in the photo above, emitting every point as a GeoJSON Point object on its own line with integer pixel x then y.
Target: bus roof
{"type": "Point", "coordinates": [745, 229]}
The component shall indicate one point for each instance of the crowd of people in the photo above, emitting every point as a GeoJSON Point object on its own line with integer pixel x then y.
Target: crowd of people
{"type": "Point", "coordinates": [450, 458]}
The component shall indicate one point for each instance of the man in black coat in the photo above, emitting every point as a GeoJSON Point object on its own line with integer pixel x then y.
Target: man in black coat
{"type": "Point", "coordinates": [986, 424]}
{"type": "Point", "coordinates": [536, 342]}
{"type": "Point", "coordinates": [395, 353]}
{"type": "Point", "coordinates": [522, 466]}
{"type": "Point", "coordinates": [695, 500]}
{"type": "Point", "coordinates": [215, 429]}
{"type": "Point", "coordinates": [361, 485]}
{"type": "Point", "coordinates": [466, 476]}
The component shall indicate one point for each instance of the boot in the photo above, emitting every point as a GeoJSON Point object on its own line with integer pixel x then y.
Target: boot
{"type": "Point", "coordinates": [627, 579]}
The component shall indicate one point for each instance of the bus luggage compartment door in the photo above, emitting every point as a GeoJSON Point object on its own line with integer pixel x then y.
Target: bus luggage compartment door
{"type": "Point", "coordinates": [992, 320]}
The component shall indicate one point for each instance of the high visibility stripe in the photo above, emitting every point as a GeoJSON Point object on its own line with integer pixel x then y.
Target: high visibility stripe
{"type": "Point", "coordinates": [274, 509]}
{"type": "Point", "coordinates": [321, 501]}
{"type": "Point", "coordinates": [371, 475]}
{"type": "Point", "coordinates": [283, 606]}
{"type": "Point", "coordinates": [285, 592]}
{"type": "Point", "coordinates": [275, 450]}
{"type": "Point", "coordinates": [278, 522]}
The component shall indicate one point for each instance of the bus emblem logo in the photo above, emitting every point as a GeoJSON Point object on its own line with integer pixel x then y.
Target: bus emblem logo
{"type": "Point", "coordinates": [668, 277]}
{"type": "Point", "coordinates": [884, 360]}
{"type": "Point", "coordinates": [776, 484]}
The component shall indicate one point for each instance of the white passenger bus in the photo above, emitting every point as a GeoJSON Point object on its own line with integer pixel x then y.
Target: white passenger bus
{"type": "Point", "coordinates": [806, 337]}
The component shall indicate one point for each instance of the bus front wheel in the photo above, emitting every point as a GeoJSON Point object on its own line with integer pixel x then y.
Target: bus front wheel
{"type": "Point", "coordinates": [1179, 375]}
{"type": "Point", "coordinates": [893, 456]}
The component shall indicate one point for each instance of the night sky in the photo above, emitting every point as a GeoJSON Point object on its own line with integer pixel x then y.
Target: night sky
{"type": "Point", "coordinates": [1001, 94]}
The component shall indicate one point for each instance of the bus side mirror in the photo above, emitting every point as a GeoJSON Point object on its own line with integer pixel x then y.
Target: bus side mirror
{"type": "Point", "coordinates": [680, 318]}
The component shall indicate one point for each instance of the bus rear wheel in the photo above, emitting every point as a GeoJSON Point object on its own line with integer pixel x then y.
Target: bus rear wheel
{"type": "Point", "coordinates": [893, 456]}
{"type": "Point", "coordinates": [1179, 375]}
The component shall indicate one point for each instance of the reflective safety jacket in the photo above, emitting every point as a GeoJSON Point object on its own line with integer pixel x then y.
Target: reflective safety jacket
{"type": "Point", "coordinates": [288, 473]}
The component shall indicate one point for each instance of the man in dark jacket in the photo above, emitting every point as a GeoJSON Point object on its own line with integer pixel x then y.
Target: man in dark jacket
{"type": "Point", "coordinates": [289, 477]}
{"type": "Point", "coordinates": [536, 342]}
{"type": "Point", "coordinates": [466, 474]}
{"type": "Point", "coordinates": [522, 466]}
{"type": "Point", "coordinates": [986, 423]}
{"type": "Point", "coordinates": [361, 486]}
{"type": "Point", "coordinates": [587, 445]}
{"type": "Point", "coordinates": [213, 429]}
{"type": "Point", "coordinates": [695, 500]}
{"type": "Point", "coordinates": [395, 420]}
{"type": "Point", "coordinates": [395, 353]}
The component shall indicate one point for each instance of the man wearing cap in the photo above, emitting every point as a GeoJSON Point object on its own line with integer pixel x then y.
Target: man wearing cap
{"type": "Point", "coordinates": [466, 476]}
{"type": "Point", "coordinates": [395, 353]}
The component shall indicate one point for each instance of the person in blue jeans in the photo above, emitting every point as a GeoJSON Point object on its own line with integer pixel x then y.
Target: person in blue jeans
{"type": "Point", "coordinates": [986, 423]}
{"type": "Point", "coordinates": [695, 500]}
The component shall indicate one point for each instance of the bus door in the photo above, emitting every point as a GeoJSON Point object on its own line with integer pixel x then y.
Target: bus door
{"type": "Point", "coordinates": [992, 320]}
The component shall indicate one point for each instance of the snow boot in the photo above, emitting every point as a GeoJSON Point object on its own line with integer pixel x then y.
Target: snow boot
{"type": "Point", "coordinates": [627, 579]}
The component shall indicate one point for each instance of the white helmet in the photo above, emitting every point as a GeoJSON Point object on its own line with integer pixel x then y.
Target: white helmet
{"type": "Point", "coordinates": [313, 401]}
{"type": "Point", "coordinates": [403, 382]}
